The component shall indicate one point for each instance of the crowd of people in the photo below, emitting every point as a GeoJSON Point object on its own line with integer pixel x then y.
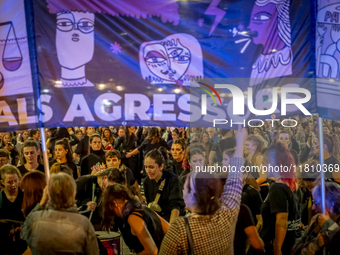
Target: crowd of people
{"type": "Point", "coordinates": [159, 188]}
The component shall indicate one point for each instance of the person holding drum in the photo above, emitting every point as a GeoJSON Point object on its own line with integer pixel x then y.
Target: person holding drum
{"type": "Point", "coordinates": [142, 229]}
{"type": "Point", "coordinates": [162, 189]}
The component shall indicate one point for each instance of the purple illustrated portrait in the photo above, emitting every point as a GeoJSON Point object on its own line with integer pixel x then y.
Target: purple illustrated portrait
{"type": "Point", "coordinates": [75, 30]}
{"type": "Point", "coordinates": [270, 23]}
{"type": "Point", "coordinates": [177, 59]}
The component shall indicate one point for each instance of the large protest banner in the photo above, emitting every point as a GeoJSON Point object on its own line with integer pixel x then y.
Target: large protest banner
{"type": "Point", "coordinates": [136, 62]}
{"type": "Point", "coordinates": [328, 59]}
{"type": "Point", "coordinates": [18, 93]}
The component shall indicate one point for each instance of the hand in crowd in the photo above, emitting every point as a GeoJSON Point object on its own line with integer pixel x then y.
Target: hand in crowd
{"type": "Point", "coordinates": [9, 147]}
{"type": "Point", "coordinates": [91, 205]}
{"type": "Point", "coordinates": [128, 155]}
{"type": "Point", "coordinates": [45, 197]}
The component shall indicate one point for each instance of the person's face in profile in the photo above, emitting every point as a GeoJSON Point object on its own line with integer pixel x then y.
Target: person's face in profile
{"type": "Point", "coordinates": [264, 21]}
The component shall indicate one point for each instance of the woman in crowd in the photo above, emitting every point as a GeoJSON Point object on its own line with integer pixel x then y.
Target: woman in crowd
{"type": "Point", "coordinates": [280, 210]}
{"type": "Point", "coordinates": [170, 204]}
{"type": "Point", "coordinates": [142, 229]}
{"type": "Point", "coordinates": [126, 144]}
{"type": "Point", "coordinates": [194, 159]}
{"type": "Point", "coordinates": [214, 211]}
{"type": "Point", "coordinates": [60, 168]}
{"type": "Point", "coordinates": [32, 185]}
{"type": "Point", "coordinates": [174, 135]}
{"type": "Point", "coordinates": [43, 230]}
{"type": "Point", "coordinates": [21, 139]}
{"type": "Point", "coordinates": [6, 143]}
{"type": "Point", "coordinates": [177, 152]}
{"type": "Point", "coordinates": [205, 141]}
{"type": "Point", "coordinates": [63, 155]}
{"type": "Point", "coordinates": [108, 135]}
{"type": "Point", "coordinates": [285, 138]}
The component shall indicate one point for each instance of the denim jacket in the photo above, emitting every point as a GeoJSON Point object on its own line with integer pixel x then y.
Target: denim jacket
{"type": "Point", "coordinates": [55, 232]}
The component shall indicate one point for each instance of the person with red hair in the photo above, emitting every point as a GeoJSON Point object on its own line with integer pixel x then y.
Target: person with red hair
{"type": "Point", "coordinates": [280, 210]}
{"type": "Point", "coordinates": [32, 185]}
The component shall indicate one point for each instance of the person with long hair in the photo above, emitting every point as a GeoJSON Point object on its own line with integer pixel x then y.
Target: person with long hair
{"type": "Point", "coordinates": [6, 143]}
{"type": "Point", "coordinates": [21, 139]}
{"type": "Point", "coordinates": [63, 155]}
{"type": "Point", "coordinates": [126, 144]}
{"type": "Point", "coordinates": [280, 210]}
{"type": "Point", "coordinates": [205, 141]}
{"type": "Point", "coordinates": [142, 229]}
{"type": "Point", "coordinates": [214, 211]}
{"type": "Point", "coordinates": [32, 185]}
{"type": "Point", "coordinates": [174, 135]}
{"type": "Point", "coordinates": [54, 226]}
{"type": "Point", "coordinates": [177, 152]}
{"type": "Point", "coordinates": [194, 158]}
{"type": "Point", "coordinates": [170, 203]}
{"type": "Point", "coordinates": [286, 139]}
{"type": "Point", "coordinates": [108, 135]}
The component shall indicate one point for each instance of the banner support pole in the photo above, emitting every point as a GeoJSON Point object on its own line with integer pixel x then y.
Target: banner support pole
{"type": "Point", "coordinates": [322, 174]}
{"type": "Point", "coordinates": [45, 155]}
{"type": "Point", "coordinates": [29, 12]}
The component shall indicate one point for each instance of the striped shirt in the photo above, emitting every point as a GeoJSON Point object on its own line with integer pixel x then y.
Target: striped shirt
{"type": "Point", "coordinates": [212, 234]}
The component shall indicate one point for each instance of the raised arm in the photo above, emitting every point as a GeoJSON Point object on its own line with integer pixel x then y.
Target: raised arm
{"type": "Point", "coordinates": [231, 197]}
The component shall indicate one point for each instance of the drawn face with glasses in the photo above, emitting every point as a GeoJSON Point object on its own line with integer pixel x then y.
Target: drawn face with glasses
{"type": "Point", "coordinates": [75, 39]}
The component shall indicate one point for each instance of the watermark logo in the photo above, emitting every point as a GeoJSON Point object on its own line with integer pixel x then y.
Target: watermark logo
{"type": "Point", "coordinates": [291, 98]}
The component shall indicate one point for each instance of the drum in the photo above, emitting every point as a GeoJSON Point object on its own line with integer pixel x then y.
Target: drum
{"type": "Point", "coordinates": [111, 241]}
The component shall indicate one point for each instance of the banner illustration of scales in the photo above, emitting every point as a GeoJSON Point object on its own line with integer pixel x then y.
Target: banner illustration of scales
{"type": "Point", "coordinates": [11, 53]}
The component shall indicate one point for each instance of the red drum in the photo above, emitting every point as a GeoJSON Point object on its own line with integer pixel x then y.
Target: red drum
{"type": "Point", "coordinates": [111, 241]}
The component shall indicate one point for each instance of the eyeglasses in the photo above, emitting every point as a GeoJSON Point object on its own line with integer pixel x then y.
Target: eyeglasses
{"type": "Point", "coordinates": [85, 26]}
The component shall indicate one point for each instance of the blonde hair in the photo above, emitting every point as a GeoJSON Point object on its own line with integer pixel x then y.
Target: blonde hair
{"type": "Point", "coordinates": [61, 189]}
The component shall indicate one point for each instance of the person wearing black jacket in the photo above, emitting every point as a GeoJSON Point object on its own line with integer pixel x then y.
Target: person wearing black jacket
{"type": "Point", "coordinates": [125, 144]}
{"type": "Point", "coordinates": [64, 156]}
{"type": "Point", "coordinates": [58, 134]}
{"type": "Point", "coordinates": [171, 203]}
{"type": "Point", "coordinates": [95, 161]}
{"type": "Point", "coordinates": [89, 185]}
{"type": "Point", "coordinates": [177, 151]}
{"type": "Point", "coordinates": [83, 147]}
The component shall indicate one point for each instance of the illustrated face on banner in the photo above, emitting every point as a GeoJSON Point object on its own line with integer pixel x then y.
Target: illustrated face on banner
{"type": "Point", "coordinates": [270, 20]}
{"type": "Point", "coordinates": [173, 60]}
{"type": "Point", "coordinates": [74, 42]}
{"type": "Point", "coordinates": [263, 21]}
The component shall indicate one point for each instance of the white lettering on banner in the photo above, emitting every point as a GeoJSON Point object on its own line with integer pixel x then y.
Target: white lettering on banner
{"type": "Point", "coordinates": [22, 112]}
{"type": "Point", "coordinates": [6, 114]}
{"type": "Point", "coordinates": [194, 110]}
{"type": "Point", "coordinates": [78, 108]}
{"type": "Point", "coordinates": [47, 112]}
{"type": "Point", "coordinates": [158, 111]}
{"type": "Point", "coordinates": [105, 100]}
{"type": "Point", "coordinates": [131, 109]}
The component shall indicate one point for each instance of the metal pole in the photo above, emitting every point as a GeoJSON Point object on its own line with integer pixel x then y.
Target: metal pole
{"type": "Point", "coordinates": [45, 156]}
{"type": "Point", "coordinates": [322, 174]}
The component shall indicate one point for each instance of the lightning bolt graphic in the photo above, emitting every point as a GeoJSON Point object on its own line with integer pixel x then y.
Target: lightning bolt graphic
{"type": "Point", "coordinates": [213, 10]}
